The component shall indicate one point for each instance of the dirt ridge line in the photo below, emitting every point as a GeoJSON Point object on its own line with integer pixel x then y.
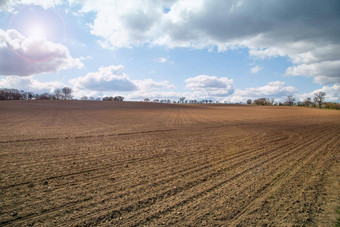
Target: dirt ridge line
{"type": "Point", "coordinates": [193, 183]}
{"type": "Point", "coordinates": [281, 177]}
{"type": "Point", "coordinates": [169, 209]}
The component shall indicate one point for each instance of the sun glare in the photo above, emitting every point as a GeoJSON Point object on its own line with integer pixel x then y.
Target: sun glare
{"type": "Point", "coordinates": [37, 30]}
{"type": "Point", "coordinates": [33, 21]}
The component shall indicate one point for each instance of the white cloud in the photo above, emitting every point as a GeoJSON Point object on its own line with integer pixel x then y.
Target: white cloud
{"type": "Point", "coordinates": [209, 87]}
{"type": "Point", "coordinates": [24, 56]}
{"type": "Point", "coordinates": [124, 23]}
{"type": "Point", "coordinates": [43, 3]}
{"type": "Point", "coordinates": [161, 60]}
{"type": "Point", "coordinates": [305, 31]}
{"type": "Point", "coordinates": [110, 78]}
{"type": "Point", "coordinates": [9, 5]}
{"type": "Point", "coordinates": [141, 95]}
{"type": "Point", "coordinates": [148, 84]}
{"type": "Point", "coordinates": [29, 84]}
{"type": "Point", "coordinates": [277, 90]}
{"type": "Point", "coordinates": [332, 93]}
{"type": "Point", "coordinates": [256, 69]}
{"type": "Point", "coordinates": [323, 72]}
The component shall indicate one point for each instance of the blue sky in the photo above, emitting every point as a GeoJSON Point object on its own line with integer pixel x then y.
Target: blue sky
{"type": "Point", "coordinates": [227, 51]}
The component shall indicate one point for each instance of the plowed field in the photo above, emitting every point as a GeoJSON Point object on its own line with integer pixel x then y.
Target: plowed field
{"type": "Point", "coordinates": [77, 163]}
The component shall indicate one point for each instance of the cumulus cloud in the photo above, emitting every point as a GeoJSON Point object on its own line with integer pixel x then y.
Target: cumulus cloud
{"type": "Point", "coordinates": [30, 84]}
{"type": "Point", "coordinates": [110, 78]}
{"type": "Point", "coordinates": [129, 25]}
{"type": "Point", "coordinates": [256, 69]}
{"type": "Point", "coordinates": [151, 89]}
{"type": "Point", "coordinates": [323, 72]}
{"type": "Point", "coordinates": [149, 84]}
{"type": "Point", "coordinates": [277, 90]}
{"type": "Point", "coordinates": [24, 56]}
{"type": "Point", "coordinates": [332, 93]}
{"type": "Point", "coordinates": [305, 31]}
{"type": "Point", "coordinates": [209, 87]}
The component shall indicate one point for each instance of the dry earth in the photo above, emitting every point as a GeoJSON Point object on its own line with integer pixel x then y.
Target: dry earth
{"type": "Point", "coordinates": [80, 163]}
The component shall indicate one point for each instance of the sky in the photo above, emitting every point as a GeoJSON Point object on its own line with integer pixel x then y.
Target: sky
{"type": "Point", "coordinates": [220, 50]}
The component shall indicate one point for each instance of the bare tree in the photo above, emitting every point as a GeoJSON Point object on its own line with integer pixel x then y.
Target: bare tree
{"type": "Point", "coordinates": [290, 101]}
{"type": "Point", "coordinates": [58, 94]}
{"type": "Point", "coordinates": [307, 101]}
{"type": "Point", "coordinates": [11, 94]}
{"type": "Point", "coordinates": [66, 92]}
{"type": "Point", "coordinates": [181, 99]}
{"type": "Point", "coordinates": [44, 96]}
{"type": "Point", "coordinates": [319, 98]}
{"type": "Point", "coordinates": [249, 101]}
{"type": "Point", "coordinates": [30, 95]}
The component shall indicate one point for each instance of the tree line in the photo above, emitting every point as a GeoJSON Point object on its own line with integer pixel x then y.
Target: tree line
{"type": "Point", "coordinates": [66, 94]}
{"type": "Point", "coordinates": [15, 94]}
{"type": "Point", "coordinates": [318, 101]}
{"type": "Point", "coordinates": [58, 94]}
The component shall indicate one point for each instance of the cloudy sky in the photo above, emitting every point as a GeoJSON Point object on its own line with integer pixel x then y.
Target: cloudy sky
{"type": "Point", "coordinates": [223, 50]}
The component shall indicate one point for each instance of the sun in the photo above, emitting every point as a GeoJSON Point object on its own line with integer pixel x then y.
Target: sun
{"type": "Point", "coordinates": [36, 22]}
{"type": "Point", "coordinates": [36, 30]}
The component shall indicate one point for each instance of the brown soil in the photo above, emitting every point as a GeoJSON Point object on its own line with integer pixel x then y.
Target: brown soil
{"type": "Point", "coordinates": [128, 164]}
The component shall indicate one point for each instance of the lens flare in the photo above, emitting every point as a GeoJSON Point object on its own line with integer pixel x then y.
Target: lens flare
{"type": "Point", "coordinates": [37, 30]}
{"type": "Point", "coordinates": [38, 24]}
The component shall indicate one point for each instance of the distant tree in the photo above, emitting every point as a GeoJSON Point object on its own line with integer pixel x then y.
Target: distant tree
{"type": "Point", "coordinates": [11, 94]}
{"type": "Point", "coordinates": [44, 96]}
{"type": "Point", "coordinates": [262, 102]}
{"type": "Point", "coordinates": [181, 99]}
{"type": "Point", "coordinates": [108, 98]}
{"type": "Point", "coordinates": [146, 100]}
{"type": "Point", "coordinates": [332, 105]}
{"type": "Point", "coordinates": [118, 98]}
{"type": "Point", "coordinates": [299, 103]}
{"type": "Point", "coordinates": [58, 94]}
{"type": "Point", "coordinates": [155, 100]}
{"type": "Point", "coordinates": [319, 98]}
{"type": "Point", "coordinates": [67, 93]}
{"type": "Point", "coordinates": [307, 101]}
{"type": "Point", "coordinates": [290, 101]}
{"type": "Point", "coordinates": [249, 101]}
{"type": "Point", "coordinates": [84, 98]}
{"type": "Point", "coordinates": [23, 95]}
{"type": "Point", "coordinates": [30, 95]}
